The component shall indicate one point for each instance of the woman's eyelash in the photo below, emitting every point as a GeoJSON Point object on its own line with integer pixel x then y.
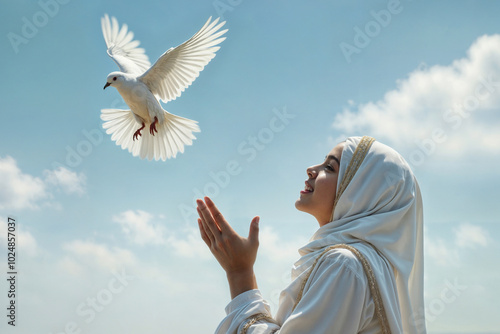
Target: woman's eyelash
{"type": "Point", "coordinates": [330, 168]}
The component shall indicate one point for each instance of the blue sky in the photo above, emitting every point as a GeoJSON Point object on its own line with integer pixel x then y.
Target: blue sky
{"type": "Point", "coordinates": [108, 242]}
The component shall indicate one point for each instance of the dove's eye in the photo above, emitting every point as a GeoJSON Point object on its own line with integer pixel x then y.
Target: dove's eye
{"type": "Point", "coordinates": [114, 78]}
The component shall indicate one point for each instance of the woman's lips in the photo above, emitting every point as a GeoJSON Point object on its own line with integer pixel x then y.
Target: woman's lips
{"type": "Point", "coordinates": [307, 189]}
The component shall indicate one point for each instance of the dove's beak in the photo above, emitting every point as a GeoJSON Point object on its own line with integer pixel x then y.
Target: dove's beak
{"type": "Point", "coordinates": [106, 85]}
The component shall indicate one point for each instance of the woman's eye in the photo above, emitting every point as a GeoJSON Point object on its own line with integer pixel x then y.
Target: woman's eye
{"type": "Point", "coordinates": [330, 168]}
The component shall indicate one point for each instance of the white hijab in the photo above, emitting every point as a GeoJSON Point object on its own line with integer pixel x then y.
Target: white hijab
{"type": "Point", "coordinates": [380, 213]}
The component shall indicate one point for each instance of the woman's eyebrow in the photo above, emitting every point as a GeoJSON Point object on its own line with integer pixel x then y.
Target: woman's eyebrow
{"type": "Point", "coordinates": [334, 158]}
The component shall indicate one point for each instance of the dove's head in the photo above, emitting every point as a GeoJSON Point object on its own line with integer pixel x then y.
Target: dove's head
{"type": "Point", "coordinates": [114, 79]}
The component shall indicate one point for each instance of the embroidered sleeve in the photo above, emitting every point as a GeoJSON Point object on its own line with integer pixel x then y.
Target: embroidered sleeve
{"type": "Point", "coordinates": [253, 319]}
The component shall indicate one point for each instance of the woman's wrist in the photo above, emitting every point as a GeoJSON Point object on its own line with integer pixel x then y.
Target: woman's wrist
{"type": "Point", "coordinates": [241, 281]}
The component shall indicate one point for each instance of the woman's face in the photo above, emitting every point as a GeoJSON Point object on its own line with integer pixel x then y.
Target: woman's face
{"type": "Point", "coordinates": [318, 195]}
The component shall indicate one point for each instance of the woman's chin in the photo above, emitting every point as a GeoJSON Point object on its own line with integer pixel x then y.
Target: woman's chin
{"type": "Point", "coordinates": [299, 205]}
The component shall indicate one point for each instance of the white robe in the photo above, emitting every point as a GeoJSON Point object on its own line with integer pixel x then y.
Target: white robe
{"type": "Point", "coordinates": [336, 299]}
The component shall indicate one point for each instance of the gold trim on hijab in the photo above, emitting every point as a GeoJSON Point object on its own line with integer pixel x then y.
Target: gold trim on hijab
{"type": "Point", "coordinates": [357, 158]}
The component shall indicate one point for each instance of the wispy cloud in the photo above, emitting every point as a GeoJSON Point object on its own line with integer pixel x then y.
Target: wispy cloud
{"type": "Point", "coordinates": [68, 181]}
{"type": "Point", "coordinates": [189, 244]}
{"type": "Point", "coordinates": [448, 251]}
{"type": "Point", "coordinates": [139, 228]}
{"type": "Point", "coordinates": [26, 243]}
{"type": "Point", "coordinates": [142, 228]}
{"type": "Point", "coordinates": [440, 252]}
{"type": "Point", "coordinates": [471, 236]}
{"type": "Point", "coordinates": [275, 248]}
{"type": "Point", "coordinates": [88, 254]}
{"type": "Point", "coordinates": [17, 189]}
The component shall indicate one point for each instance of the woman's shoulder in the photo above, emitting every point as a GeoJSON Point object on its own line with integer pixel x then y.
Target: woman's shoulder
{"type": "Point", "coordinates": [340, 255]}
{"type": "Point", "coordinates": [338, 261]}
{"type": "Point", "coordinates": [349, 258]}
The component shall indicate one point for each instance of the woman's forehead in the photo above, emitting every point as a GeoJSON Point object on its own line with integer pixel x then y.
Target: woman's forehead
{"type": "Point", "coordinates": [337, 150]}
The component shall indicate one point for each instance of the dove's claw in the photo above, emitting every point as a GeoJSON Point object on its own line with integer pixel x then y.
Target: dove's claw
{"type": "Point", "coordinates": [152, 127]}
{"type": "Point", "coordinates": [137, 134]}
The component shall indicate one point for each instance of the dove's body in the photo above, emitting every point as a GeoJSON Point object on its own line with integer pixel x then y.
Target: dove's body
{"type": "Point", "coordinates": [139, 98]}
{"type": "Point", "coordinates": [142, 86]}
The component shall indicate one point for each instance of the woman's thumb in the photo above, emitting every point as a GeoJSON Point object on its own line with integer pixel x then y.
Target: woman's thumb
{"type": "Point", "coordinates": [253, 235]}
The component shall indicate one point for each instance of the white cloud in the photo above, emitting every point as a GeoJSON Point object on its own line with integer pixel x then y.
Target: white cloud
{"type": "Point", "coordinates": [441, 253]}
{"type": "Point", "coordinates": [19, 190]}
{"type": "Point", "coordinates": [92, 254]}
{"type": "Point", "coordinates": [190, 245]}
{"type": "Point", "coordinates": [71, 266]}
{"type": "Point", "coordinates": [23, 191]}
{"type": "Point", "coordinates": [441, 108]}
{"type": "Point", "coordinates": [25, 244]}
{"type": "Point", "coordinates": [275, 249]}
{"type": "Point", "coordinates": [70, 182]}
{"type": "Point", "coordinates": [470, 236]}
{"type": "Point", "coordinates": [449, 252]}
{"type": "Point", "coordinates": [139, 228]}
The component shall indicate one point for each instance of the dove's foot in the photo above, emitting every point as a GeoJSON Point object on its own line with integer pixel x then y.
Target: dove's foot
{"type": "Point", "coordinates": [152, 127]}
{"type": "Point", "coordinates": [137, 134]}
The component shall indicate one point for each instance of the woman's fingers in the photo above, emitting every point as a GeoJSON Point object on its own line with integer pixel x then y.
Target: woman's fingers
{"type": "Point", "coordinates": [207, 219]}
{"type": "Point", "coordinates": [204, 227]}
{"type": "Point", "coordinates": [204, 234]}
{"type": "Point", "coordinates": [217, 216]}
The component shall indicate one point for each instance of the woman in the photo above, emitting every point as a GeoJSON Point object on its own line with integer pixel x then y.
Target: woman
{"type": "Point", "coordinates": [361, 272]}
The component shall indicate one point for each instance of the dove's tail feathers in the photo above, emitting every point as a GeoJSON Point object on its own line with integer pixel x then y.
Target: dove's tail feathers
{"type": "Point", "coordinates": [173, 134]}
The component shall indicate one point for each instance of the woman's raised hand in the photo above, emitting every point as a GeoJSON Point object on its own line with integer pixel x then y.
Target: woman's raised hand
{"type": "Point", "coordinates": [234, 253]}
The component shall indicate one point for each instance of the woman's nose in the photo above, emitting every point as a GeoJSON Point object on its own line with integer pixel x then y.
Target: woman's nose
{"type": "Point", "coordinates": [311, 172]}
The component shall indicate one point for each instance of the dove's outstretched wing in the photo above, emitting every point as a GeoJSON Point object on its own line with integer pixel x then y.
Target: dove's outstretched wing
{"type": "Point", "coordinates": [173, 134]}
{"type": "Point", "coordinates": [122, 48]}
{"type": "Point", "coordinates": [177, 68]}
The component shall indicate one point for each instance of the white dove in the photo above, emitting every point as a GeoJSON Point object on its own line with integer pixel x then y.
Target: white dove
{"type": "Point", "coordinates": [142, 86]}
